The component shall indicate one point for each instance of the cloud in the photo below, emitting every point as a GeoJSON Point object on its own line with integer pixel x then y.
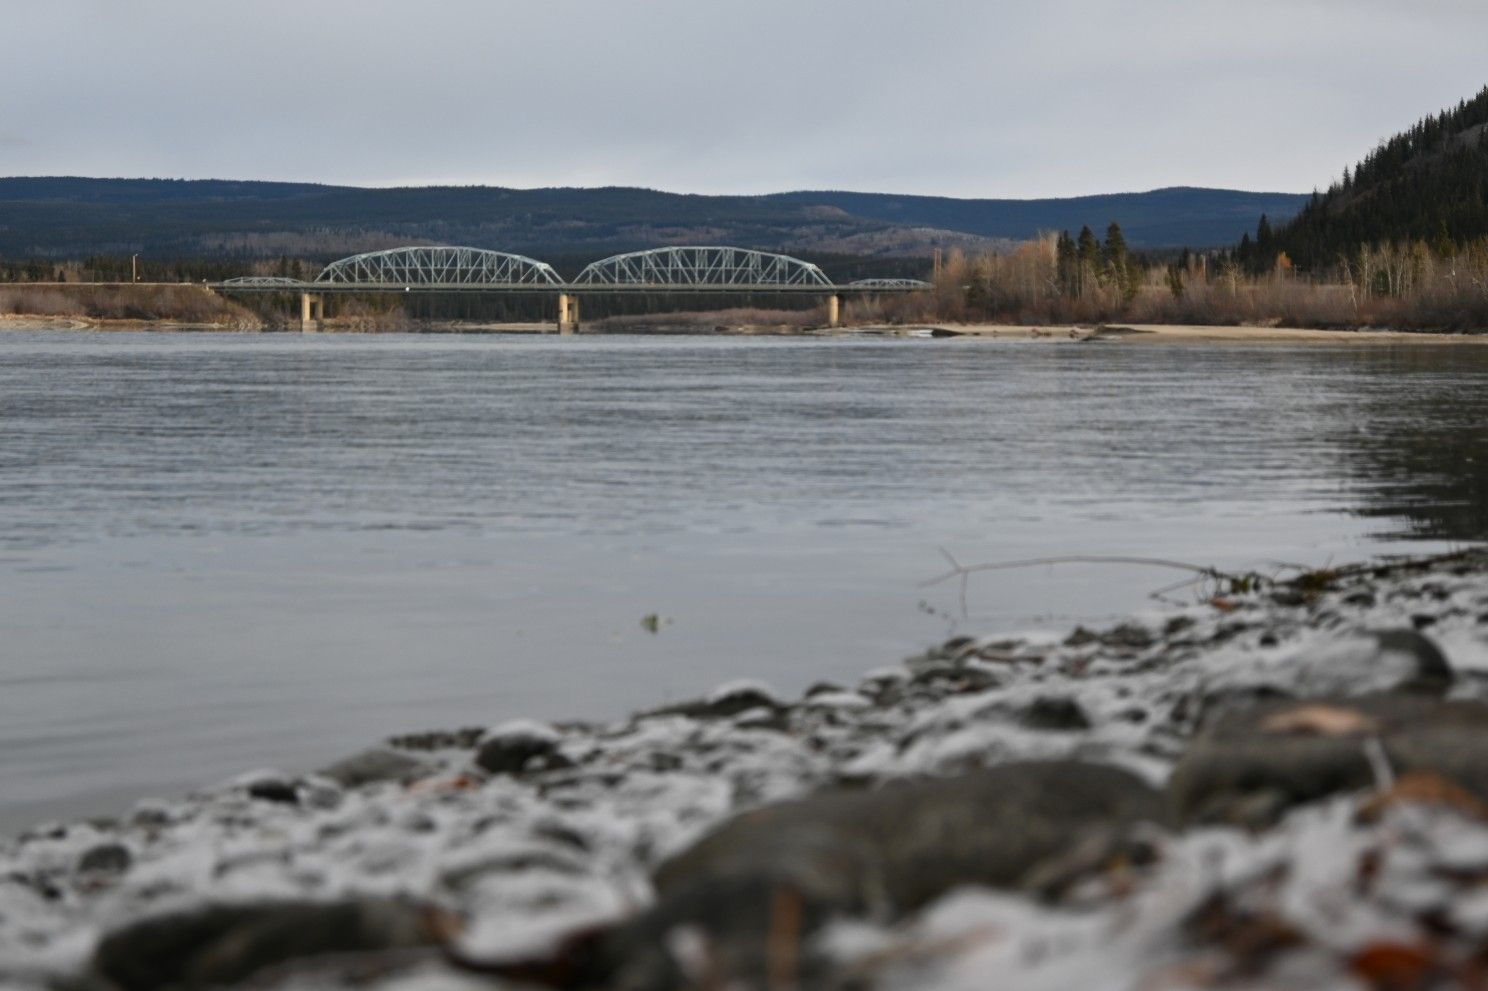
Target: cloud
{"type": "Point", "coordinates": [962, 97]}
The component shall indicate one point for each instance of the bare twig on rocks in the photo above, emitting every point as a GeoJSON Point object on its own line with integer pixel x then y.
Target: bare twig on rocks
{"type": "Point", "coordinates": [1236, 582]}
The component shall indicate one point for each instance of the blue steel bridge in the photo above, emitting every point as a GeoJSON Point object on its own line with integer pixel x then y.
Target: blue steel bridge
{"type": "Point", "coordinates": [450, 269]}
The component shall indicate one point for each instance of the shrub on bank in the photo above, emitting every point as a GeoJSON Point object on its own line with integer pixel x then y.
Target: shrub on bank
{"type": "Point", "coordinates": [180, 304]}
{"type": "Point", "coordinates": [1055, 281]}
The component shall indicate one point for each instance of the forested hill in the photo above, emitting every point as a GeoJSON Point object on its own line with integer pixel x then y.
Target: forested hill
{"type": "Point", "coordinates": [1179, 216]}
{"type": "Point", "coordinates": [1428, 184]}
{"type": "Point", "coordinates": [78, 217]}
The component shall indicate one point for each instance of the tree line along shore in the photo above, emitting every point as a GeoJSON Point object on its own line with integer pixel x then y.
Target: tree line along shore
{"type": "Point", "coordinates": [1057, 280]}
{"type": "Point", "coordinates": [1062, 280]}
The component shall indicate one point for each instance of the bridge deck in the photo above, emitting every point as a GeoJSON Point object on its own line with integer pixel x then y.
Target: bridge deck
{"type": "Point", "coordinates": [569, 288]}
{"type": "Point", "coordinates": [676, 270]}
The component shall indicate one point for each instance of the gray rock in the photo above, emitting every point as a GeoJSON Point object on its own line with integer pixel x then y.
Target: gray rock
{"type": "Point", "coordinates": [1251, 765]}
{"type": "Point", "coordinates": [548, 860]}
{"type": "Point", "coordinates": [150, 815]}
{"type": "Point", "coordinates": [956, 652]}
{"type": "Point", "coordinates": [1290, 597]}
{"type": "Point", "coordinates": [377, 765]}
{"type": "Point", "coordinates": [921, 838]}
{"type": "Point", "coordinates": [514, 752]}
{"type": "Point", "coordinates": [1217, 703]}
{"type": "Point", "coordinates": [663, 762]}
{"type": "Point", "coordinates": [1177, 625]}
{"type": "Point", "coordinates": [1081, 637]}
{"type": "Point", "coordinates": [1056, 713]}
{"type": "Point", "coordinates": [223, 944]}
{"type": "Point", "coordinates": [274, 790]}
{"type": "Point", "coordinates": [1430, 670]}
{"type": "Point", "coordinates": [955, 678]}
{"type": "Point", "coordinates": [723, 705]}
{"type": "Point", "coordinates": [1371, 661]}
{"type": "Point", "coordinates": [881, 853]}
{"type": "Point", "coordinates": [1128, 635]}
{"type": "Point", "coordinates": [464, 738]}
{"type": "Point", "coordinates": [930, 672]}
{"type": "Point", "coordinates": [106, 858]}
{"type": "Point", "coordinates": [1355, 664]}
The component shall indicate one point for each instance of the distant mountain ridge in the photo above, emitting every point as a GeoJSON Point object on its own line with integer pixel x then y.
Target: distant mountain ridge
{"type": "Point", "coordinates": [75, 217]}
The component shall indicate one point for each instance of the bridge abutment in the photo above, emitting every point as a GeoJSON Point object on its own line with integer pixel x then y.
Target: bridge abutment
{"type": "Point", "coordinates": [568, 313]}
{"type": "Point", "coordinates": [312, 312]}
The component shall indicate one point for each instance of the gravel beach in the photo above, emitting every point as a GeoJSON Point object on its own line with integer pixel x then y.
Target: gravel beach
{"type": "Point", "coordinates": [1281, 784]}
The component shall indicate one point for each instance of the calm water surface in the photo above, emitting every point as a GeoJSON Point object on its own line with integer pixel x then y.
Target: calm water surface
{"type": "Point", "coordinates": [225, 552]}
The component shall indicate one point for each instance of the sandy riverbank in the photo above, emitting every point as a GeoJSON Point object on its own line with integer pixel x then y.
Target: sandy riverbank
{"type": "Point", "coordinates": [1164, 333]}
{"type": "Point", "coordinates": [23, 321]}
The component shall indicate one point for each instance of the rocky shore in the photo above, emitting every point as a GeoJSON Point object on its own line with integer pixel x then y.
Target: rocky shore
{"type": "Point", "coordinates": [1283, 786]}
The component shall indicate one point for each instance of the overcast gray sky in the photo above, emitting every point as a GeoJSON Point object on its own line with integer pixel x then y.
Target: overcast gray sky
{"type": "Point", "coordinates": [955, 97]}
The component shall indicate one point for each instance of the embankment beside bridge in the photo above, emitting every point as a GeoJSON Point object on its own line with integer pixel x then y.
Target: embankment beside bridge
{"type": "Point", "coordinates": [152, 302]}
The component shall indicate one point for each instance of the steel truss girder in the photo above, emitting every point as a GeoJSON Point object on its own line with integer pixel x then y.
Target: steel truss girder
{"type": "Point", "coordinates": [452, 269]}
{"type": "Point", "coordinates": [440, 266]}
{"type": "Point", "coordinates": [890, 284]}
{"type": "Point", "coordinates": [694, 267]}
{"type": "Point", "coordinates": [264, 282]}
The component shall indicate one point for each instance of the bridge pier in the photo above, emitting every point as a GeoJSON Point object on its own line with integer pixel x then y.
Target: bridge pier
{"type": "Point", "coordinates": [834, 311]}
{"type": "Point", "coordinates": [312, 312]}
{"type": "Point", "coordinates": [568, 313]}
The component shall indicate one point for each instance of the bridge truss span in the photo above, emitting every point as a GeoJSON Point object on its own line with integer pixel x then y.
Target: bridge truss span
{"type": "Point", "coordinates": [449, 269]}
{"type": "Point", "coordinates": [891, 284]}
{"type": "Point", "coordinates": [703, 268]}
{"type": "Point", "coordinates": [435, 266]}
{"type": "Point", "coordinates": [264, 282]}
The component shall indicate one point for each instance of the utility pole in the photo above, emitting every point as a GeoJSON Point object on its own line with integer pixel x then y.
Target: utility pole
{"type": "Point", "coordinates": [134, 268]}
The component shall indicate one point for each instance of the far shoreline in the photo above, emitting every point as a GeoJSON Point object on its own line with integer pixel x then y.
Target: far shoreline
{"type": "Point", "coordinates": [1229, 333]}
{"type": "Point", "coordinates": [1136, 333]}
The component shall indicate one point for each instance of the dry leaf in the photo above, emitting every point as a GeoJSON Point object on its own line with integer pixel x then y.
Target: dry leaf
{"type": "Point", "coordinates": [1425, 788]}
{"type": "Point", "coordinates": [1224, 605]}
{"type": "Point", "coordinates": [459, 782]}
{"type": "Point", "coordinates": [1320, 720]}
{"type": "Point", "coordinates": [1396, 966]}
{"type": "Point", "coordinates": [442, 926]}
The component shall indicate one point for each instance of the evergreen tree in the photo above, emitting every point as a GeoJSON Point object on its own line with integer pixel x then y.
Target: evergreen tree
{"type": "Point", "coordinates": [979, 293]}
{"type": "Point", "coordinates": [1175, 280]}
{"type": "Point", "coordinates": [1120, 269]}
{"type": "Point", "coordinates": [1427, 184]}
{"type": "Point", "coordinates": [1089, 252]}
{"type": "Point", "coordinates": [1442, 245]}
{"type": "Point", "coordinates": [1067, 261]}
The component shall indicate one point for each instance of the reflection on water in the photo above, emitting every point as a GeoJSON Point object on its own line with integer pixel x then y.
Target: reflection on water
{"type": "Point", "coordinates": [1419, 445]}
{"type": "Point", "coordinates": [225, 551]}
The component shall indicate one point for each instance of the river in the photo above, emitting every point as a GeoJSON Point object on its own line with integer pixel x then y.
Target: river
{"type": "Point", "coordinates": [222, 552]}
